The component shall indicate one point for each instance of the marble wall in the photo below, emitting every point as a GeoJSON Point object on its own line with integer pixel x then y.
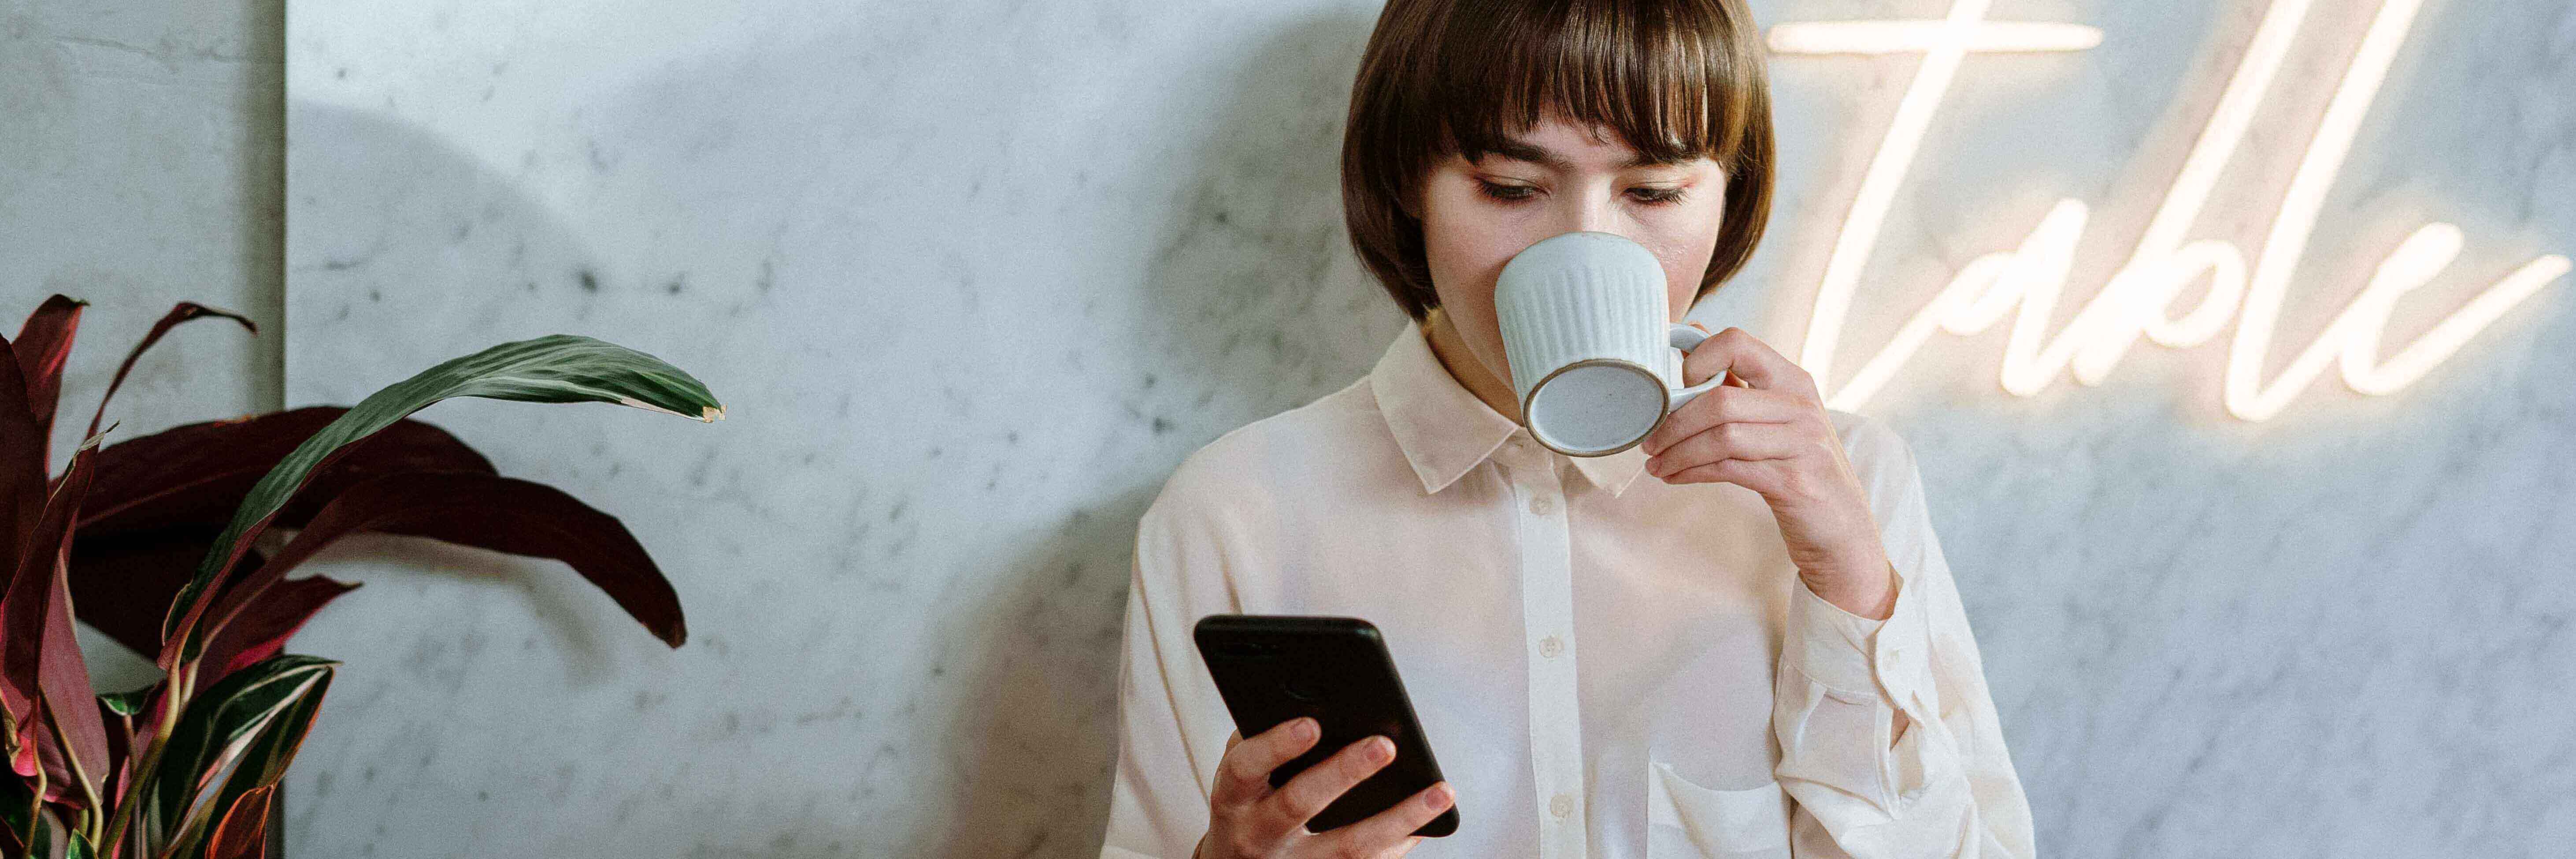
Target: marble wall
{"type": "Point", "coordinates": [971, 277]}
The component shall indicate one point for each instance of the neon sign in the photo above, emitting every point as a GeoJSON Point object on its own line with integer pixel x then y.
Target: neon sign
{"type": "Point", "coordinates": [2136, 299]}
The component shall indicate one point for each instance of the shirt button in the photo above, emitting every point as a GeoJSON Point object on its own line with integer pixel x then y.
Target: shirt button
{"type": "Point", "coordinates": [1541, 505]}
{"type": "Point", "coordinates": [1551, 646]}
{"type": "Point", "coordinates": [1562, 805]}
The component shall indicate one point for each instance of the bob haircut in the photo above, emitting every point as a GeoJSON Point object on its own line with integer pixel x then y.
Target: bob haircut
{"type": "Point", "coordinates": [1676, 79]}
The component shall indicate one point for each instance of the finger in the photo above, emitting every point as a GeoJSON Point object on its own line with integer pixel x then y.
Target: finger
{"type": "Point", "coordinates": [1393, 827]}
{"type": "Point", "coordinates": [1732, 380]}
{"type": "Point", "coordinates": [1737, 351]}
{"type": "Point", "coordinates": [1766, 477]}
{"type": "Point", "coordinates": [1734, 440]}
{"type": "Point", "coordinates": [1306, 795]}
{"type": "Point", "coordinates": [1720, 405]}
{"type": "Point", "coordinates": [1243, 775]}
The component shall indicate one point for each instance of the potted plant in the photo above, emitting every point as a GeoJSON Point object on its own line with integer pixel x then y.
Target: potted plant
{"type": "Point", "coordinates": [151, 541]}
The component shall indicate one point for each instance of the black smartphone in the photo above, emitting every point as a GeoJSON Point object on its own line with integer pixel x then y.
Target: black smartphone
{"type": "Point", "coordinates": [1273, 668]}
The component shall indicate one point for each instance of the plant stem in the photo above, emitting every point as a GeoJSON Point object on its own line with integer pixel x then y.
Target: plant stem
{"type": "Point", "coordinates": [173, 701]}
{"type": "Point", "coordinates": [36, 809]}
{"type": "Point", "coordinates": [80, 776]}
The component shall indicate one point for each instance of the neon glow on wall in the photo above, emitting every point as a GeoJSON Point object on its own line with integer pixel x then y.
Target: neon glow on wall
{"type": "Point", "coordinates": [2028, 280]}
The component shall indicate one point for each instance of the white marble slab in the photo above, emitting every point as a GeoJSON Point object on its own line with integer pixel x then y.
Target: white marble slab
{"type": "Point", "coordinates": [139, 159]}
{"type": "Point", "coordinates": [972, 277]}
{"type": "Point", "coordinates": [140, 150]}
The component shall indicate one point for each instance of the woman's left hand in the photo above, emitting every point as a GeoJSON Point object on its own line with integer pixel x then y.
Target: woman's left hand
{"type": "Point", "coordinates": [1765, 429]}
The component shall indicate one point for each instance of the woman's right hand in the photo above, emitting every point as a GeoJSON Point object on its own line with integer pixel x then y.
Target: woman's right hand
{"type": "Point", "coordinates": [1247, 818]}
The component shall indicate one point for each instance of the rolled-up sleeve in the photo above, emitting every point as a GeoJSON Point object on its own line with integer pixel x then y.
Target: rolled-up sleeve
{"type": "Point", "coordinates": [1937, 783]}
{"type": "Point", "coordinates": [1171, 723]}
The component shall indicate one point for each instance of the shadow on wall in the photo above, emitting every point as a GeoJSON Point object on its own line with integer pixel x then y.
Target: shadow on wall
{"type": "Point", "coordinates": [1249, 305]}
{"type": "Point", "coordinates": [1257, 315]}
{"type": "Point", "coordinates": [342, 258]}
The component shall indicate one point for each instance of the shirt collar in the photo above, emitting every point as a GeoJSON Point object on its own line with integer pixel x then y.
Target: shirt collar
{"type": "Point", "coordinates": [1444, 430]}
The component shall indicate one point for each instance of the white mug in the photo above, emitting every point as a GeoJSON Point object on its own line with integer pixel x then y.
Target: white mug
{"type": "Point", "coordinates": [1593, 356]}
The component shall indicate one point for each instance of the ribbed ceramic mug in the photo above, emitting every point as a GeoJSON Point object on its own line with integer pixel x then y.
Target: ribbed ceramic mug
{"type": "Point", "coordinates": [1593, 356]}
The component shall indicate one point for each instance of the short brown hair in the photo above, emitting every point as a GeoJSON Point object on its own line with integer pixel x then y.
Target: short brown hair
{"type": "Point", "coordinates": [1676, 78]}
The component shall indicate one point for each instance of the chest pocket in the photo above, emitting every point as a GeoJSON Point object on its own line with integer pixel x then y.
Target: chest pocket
{"type": "Point", "coordinates": [1687, 821]}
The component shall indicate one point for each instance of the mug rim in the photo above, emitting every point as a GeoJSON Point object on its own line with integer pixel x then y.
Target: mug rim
{"type": "Point", "coordinates": [1663, 405]}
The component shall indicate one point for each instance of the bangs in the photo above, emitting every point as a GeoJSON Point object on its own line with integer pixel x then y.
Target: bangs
{"type": "Point", "coordinates": [1675, 79]}
{"type": "Point", "coordinates": [1652, 71]}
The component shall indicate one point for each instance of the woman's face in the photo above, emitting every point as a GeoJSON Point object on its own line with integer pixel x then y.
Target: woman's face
{"type": "Point", "coordinates": [1475, 216]}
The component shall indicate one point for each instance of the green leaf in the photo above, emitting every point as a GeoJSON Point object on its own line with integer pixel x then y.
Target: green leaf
{"type": "Point", "coordinates": [217, 724]}
{"type": "Point", "coordinates": [17, 812]}
{"type": "Point", "coordinates": [80, 847]}
{"type": "Point", "coordinates": [557, 368]}
{"type": "Point", "coordinates": [264, 760]}
{"type": "Point", "coordinates": [130, 702]}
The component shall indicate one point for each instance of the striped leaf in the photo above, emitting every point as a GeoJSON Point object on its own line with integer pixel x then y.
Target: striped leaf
{"type": "Point", "coordinates": [244, 831]}
{"type": "Point", "coordinates": [557, 368]}
{"type": "Point", "coordinates": [219, 724]}
{"type": "Point", "coordinates": [263, 761]}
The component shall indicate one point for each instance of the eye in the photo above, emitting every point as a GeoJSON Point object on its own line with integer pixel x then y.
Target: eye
{"type": "Point", "coordinates": [1656, 196]}
{"type": "Point", "coordinates": [1648, 194]}
{"type": "Point", "coordinates": [1505, 193]}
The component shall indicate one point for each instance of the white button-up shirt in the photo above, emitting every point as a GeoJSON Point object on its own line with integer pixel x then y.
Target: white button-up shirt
{"type": "Point", "coordinates": [1607, 666]}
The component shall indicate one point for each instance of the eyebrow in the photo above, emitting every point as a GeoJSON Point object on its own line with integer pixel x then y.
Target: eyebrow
{"type": "Point", "coordinates": [1525, 151]}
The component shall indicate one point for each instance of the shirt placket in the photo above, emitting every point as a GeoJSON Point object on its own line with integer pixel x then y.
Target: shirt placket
{"type": "Point", "coordinates": [1547, 619]}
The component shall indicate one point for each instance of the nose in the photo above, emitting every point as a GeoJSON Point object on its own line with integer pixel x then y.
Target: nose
{"type": "Point", "coordinates": [1591, 210]}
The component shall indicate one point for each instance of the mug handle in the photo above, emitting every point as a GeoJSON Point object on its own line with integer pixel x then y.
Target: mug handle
{"type": "Point", "coordinates": [1685, 338]}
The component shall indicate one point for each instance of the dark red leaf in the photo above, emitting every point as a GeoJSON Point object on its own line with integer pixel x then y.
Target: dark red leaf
{"type": "Point", "coordinates": [553, 368]}
{"type": "Point", "coordinates": [181, 312]}
{"type": "Point", "coordinates": [243, 834]}
{"type": "Point", "coordinates": [70, 701]}
{"type": "Point", "coordinates": [196, 475]}
{"type": "Point", "coordinates": [160, 500]}
{"type": "Point", "coordinates": [123, 584]}
{"type": "Point", "coordinates": [43, 344]}
{"type": "Point", "coordinates": [41, 654]}
{"type": "Point", "coordinates": [263, 628]}
{"type": "Point", "coordinates": [22, 614]}
{"type": "Point", "coordinates": [492, 512]}
{"type": "Point", "coordinates": [22, 464]}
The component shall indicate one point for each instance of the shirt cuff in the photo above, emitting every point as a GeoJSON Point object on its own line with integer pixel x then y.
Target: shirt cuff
{"type": "Point", "coordinates": [1857, 657]}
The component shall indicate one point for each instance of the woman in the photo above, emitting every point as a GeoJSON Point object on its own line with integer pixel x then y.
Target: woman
{"type": "Point", "coordinates": [1757, 652]}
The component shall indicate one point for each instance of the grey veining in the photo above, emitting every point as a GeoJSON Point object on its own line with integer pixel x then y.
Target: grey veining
{"type": "Point", "coordinates": [972, 277]}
